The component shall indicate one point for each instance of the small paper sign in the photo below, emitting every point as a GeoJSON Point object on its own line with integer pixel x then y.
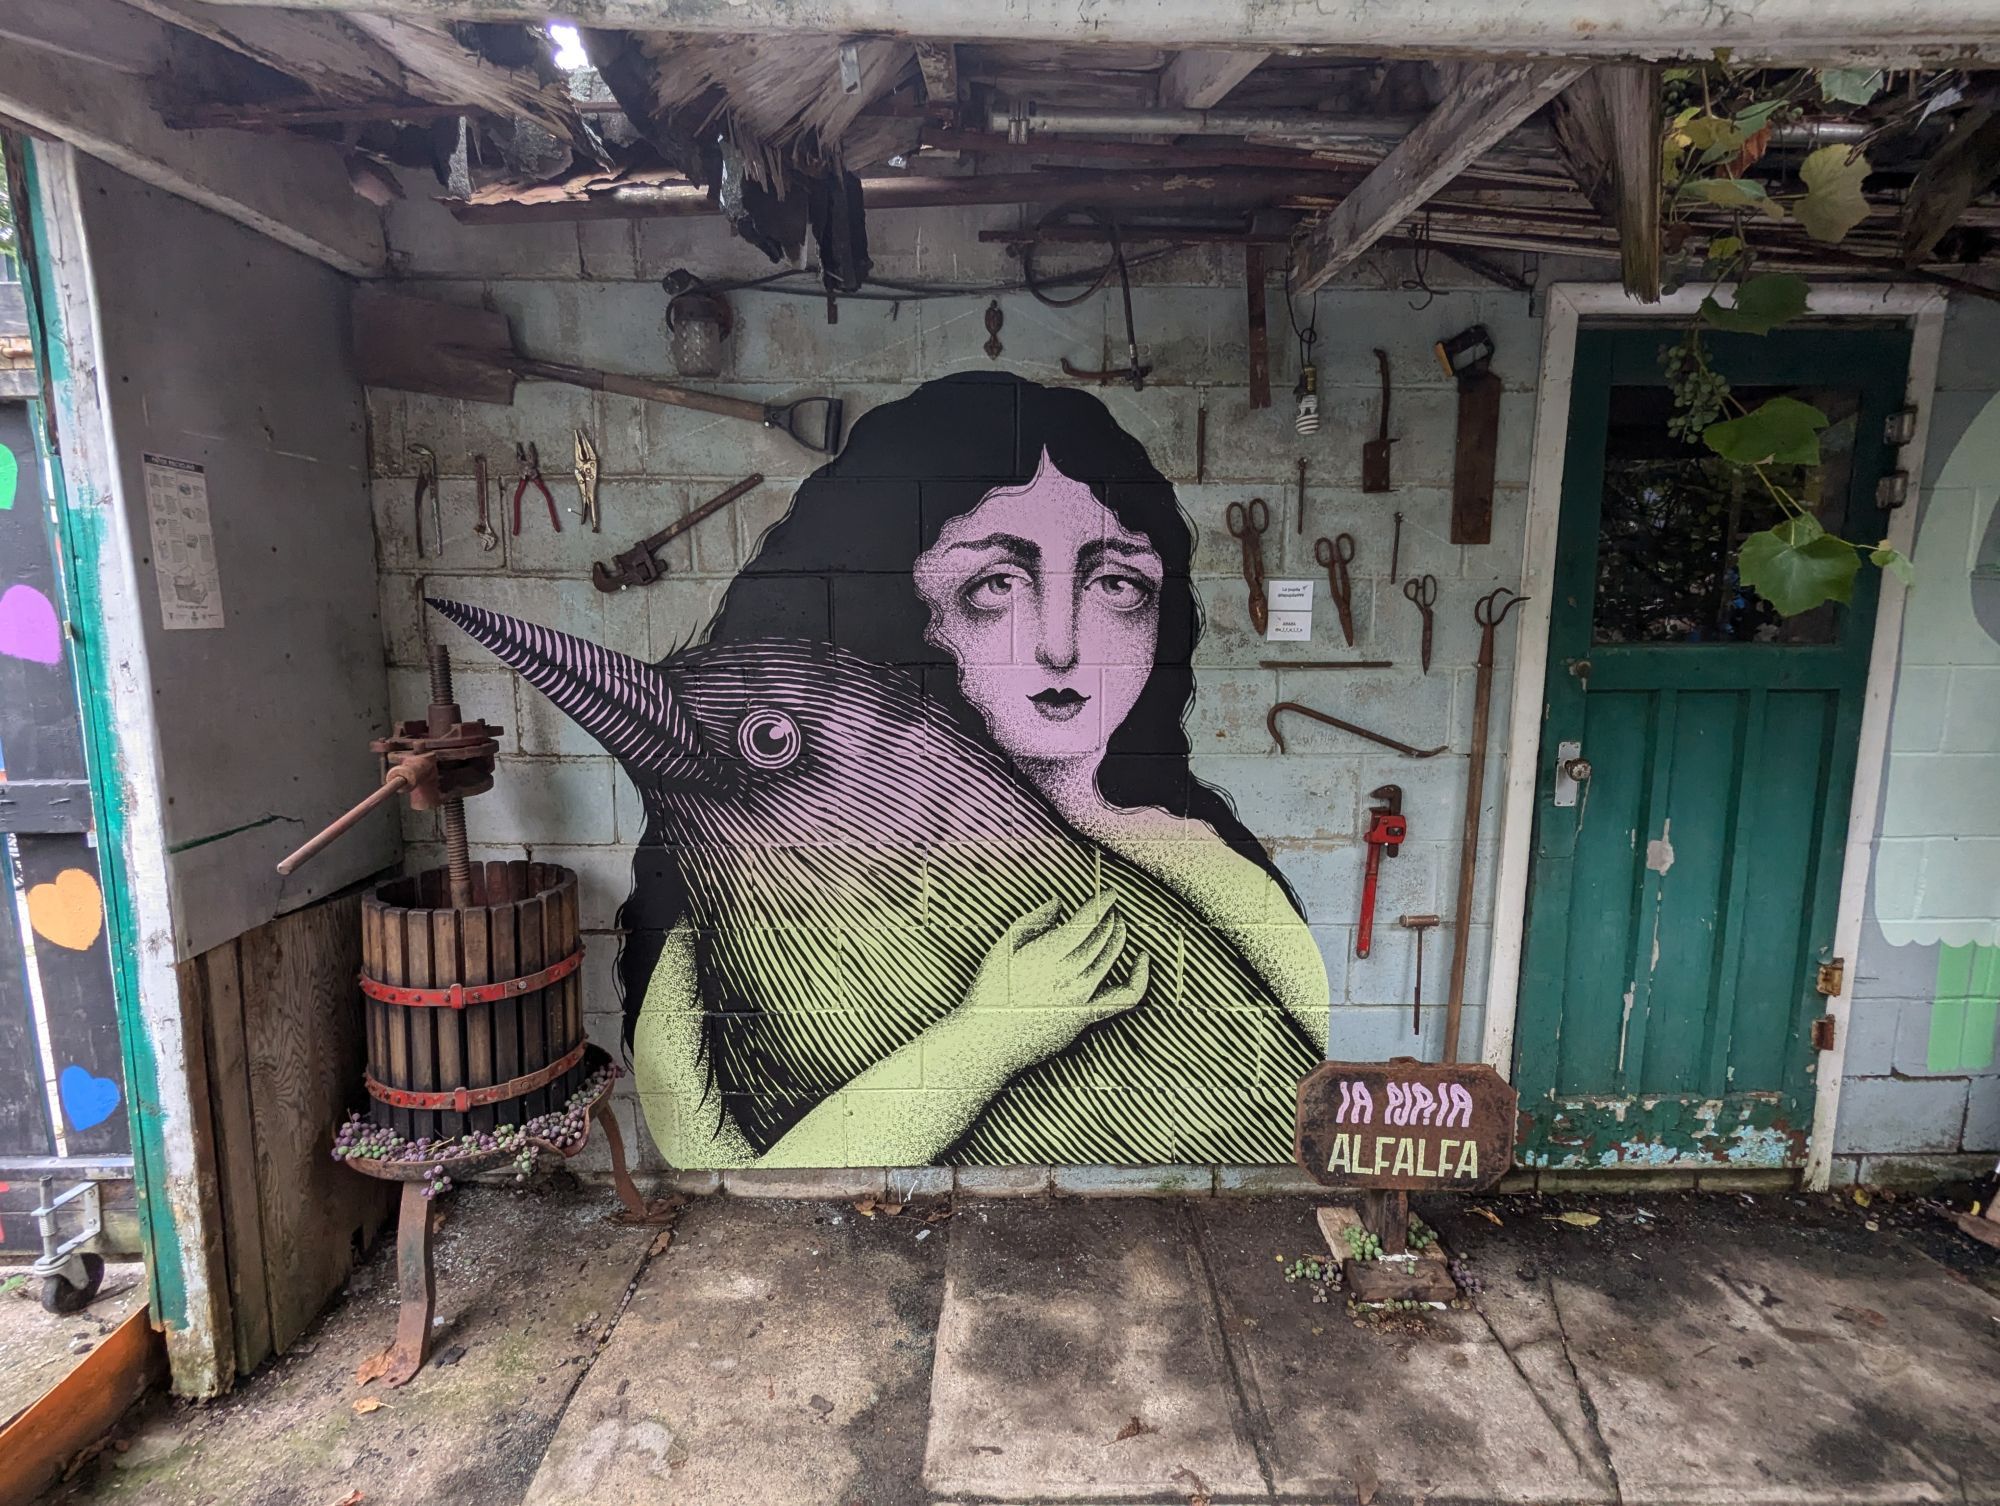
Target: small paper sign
{"type": "Point", "coordinates": [1290, 619]}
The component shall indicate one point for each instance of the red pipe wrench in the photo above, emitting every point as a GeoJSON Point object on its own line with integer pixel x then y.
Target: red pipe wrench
{"type": "Point", "coordinates": [1386, 830]}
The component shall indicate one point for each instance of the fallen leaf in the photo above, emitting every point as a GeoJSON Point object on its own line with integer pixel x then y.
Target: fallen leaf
{"type": "Point", "coordinates": [1365, 1485]}
{"type": "Point", "coordinates": [1133, 1429]}
{"type": "Point", "coordinates": [1577, 1220]}
{"type": "Point", "coordinates": [660, 1242]}
{"type": "Point", "coordinates": [1490, 1216]}
{"type": "Point", "coordinates": [374, 1367]}
{"type": "Point", "coordinates": [866, 1207]}
{"type": "Point", "coordinates": [368, 1404]}
{"type": "Point", "coordinates": [352, 1498]}
{"type": "Point", "coordinates": [1193, 1484]}
{"type": "Point", "coordinates": [1862, 1197]}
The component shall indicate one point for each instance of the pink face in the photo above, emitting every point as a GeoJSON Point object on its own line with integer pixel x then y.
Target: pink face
{"type": "Point", "coordinates": [1052, 610]}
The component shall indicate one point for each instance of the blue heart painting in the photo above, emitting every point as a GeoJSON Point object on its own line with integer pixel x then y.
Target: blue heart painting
{"type": "Point", "coordinates": [88, 1101]}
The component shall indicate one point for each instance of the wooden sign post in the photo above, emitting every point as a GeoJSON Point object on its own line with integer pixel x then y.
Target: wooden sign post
{"type": "Point", "coordinates": [1387, 1129]}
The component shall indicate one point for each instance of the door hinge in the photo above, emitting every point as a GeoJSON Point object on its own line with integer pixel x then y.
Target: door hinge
{"type": "Point", "coordinates": [1822, 1033]}
{"type": "Point", "coordinates": [1832, 977]}
{"type": "Point", "coordinates": [1892, 491]}
{"type": "Point", "coordinates": [1900, 427]}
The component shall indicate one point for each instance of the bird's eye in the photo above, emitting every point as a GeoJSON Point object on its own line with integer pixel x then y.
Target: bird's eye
{"type": "Point", "coordinates": [768, 739]}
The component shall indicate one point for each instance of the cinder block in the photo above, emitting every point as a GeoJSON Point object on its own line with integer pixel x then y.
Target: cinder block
{"type": "Point", "coordinates": [1921, 1173]}
{"type": "Point", "coordinates": [693, 1183]}
{"type": "Point", "coordinates": [1001, 1181]}
{"type": "Point", "coordinates": [1135, 1181]}
{"type": "Point", "coordinates": [1264, 1181]}
{"type": "Point", "coordinates": [1900, 1115]}
{"type": "Point", "coordinates": [1982, 1115]}
{"type": "Point", "coordinates": [840, 1182]}
{"type": "Point", "coordinates": [551, 800]}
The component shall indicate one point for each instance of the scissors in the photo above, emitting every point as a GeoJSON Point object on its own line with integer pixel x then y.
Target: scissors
{"type": "Point", "coordinates": [1248, 526]}
{"type": "Point", "coordinates": [1423, 590]}
{"type": "Point", "coordinates": [1337, 554]}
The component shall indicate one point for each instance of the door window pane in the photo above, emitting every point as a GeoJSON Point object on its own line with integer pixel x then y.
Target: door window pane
{"type": "Point", "coordinates": [1675, 515]}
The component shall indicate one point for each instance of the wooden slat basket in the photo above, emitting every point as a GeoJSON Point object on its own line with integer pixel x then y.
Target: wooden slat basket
{"type": "Point", "coordinates": [446, 1057]}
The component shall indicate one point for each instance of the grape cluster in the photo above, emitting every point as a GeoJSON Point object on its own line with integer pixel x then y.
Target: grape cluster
{"type": "Point", "coordinates": [1364, 1245]}
{"type": "Point", "coordinates": [1467, 1279]}
{"type": "Point", "coordinates": [564, 1129]}
{"type": "Point", "coordinates": [1699, 389]}
{"type": "Point", "coordinates": [1422, 1235]}
{"type": "Point", "coordinates": [1319, 1270]}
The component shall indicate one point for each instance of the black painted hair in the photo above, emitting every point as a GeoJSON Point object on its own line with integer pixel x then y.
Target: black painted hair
{"type": "Point", "coordinates": [840, 568]}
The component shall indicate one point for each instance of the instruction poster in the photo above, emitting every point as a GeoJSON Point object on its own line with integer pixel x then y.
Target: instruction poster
{"type": "Point", "coordinates": [183, 543]}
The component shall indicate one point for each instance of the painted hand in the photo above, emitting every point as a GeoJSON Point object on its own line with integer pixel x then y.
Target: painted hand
{"type": "Point", "coordinates": [1049, 977]}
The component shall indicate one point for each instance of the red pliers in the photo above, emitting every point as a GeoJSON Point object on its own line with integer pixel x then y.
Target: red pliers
{"type": "Point", "coordinates": [529, 460]}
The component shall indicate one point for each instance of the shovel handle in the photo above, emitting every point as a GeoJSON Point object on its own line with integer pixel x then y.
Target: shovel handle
{"type": "Point", "coordinates": [771, 415]}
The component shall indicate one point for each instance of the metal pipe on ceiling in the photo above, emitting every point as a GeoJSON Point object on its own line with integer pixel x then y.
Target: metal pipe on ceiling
{"type": "Point", "coordinates": [1024, 119]}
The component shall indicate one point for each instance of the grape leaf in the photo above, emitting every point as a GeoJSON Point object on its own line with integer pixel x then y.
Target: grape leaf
{"type": "Point", "coordinates": [1833, 204]}
{"type": "Point", "coordinates": [1761, 303]}
{"type": "Point", "coordinates": [1797, 566]}
{"type": "Point", "coordinates": [1894, 561]}
{"type": "Point", "coordinates": [1731, 193]}
{"type": "Point", "coordinates": [1849, 86]}
{"type": "Point", "coordinates": [1725, 248]}
{"type": "Point", "coordinates": [1780, 429]}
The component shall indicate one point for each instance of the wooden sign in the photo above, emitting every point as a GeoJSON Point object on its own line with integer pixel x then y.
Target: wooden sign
{"type": "Point", "coordinates": [1406, 1125]}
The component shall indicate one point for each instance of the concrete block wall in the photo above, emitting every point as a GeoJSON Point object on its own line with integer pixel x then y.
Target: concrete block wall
{"type": "Point", "coordinates": [1921, 1090]}
{"type": "Point", "coordinates": [590, 293]}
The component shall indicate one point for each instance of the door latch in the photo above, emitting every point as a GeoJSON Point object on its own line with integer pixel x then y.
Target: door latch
{"type": "Point", "coordinates": [1572, 769]}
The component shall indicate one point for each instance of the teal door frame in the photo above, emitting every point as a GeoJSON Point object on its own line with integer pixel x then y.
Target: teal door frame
{"type": "Point", "coordinates": [1567, 306]}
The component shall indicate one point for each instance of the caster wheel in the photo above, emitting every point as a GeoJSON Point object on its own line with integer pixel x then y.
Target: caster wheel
{"type": "Point", "coordinates": [58, 1296]}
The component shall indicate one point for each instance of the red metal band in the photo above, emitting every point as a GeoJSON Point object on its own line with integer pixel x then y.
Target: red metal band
{"type": "Point", "coordinates": [461, 1099]}
{"type": "Point", "coordinates": [461, 994]}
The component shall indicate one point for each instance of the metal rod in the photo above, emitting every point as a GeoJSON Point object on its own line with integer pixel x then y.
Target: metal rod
{"type": "Point", "coordinates": [1271, 723]}
{"type": "Point", "coordinates": [457, 848]}
{"type": "Point", "coordinates": [1326, 664]}
{"type": "Point", "coordinates": [394, 783]}
{"type": "Point", "coordinates": [1491, 611]}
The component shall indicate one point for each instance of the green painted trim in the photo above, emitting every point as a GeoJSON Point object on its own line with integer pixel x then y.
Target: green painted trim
{"type": "Point", "coordinates": [81, 546]}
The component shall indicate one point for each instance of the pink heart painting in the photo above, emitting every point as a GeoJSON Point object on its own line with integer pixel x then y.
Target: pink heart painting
{"type": "Point", "coordinates": [28, 626]}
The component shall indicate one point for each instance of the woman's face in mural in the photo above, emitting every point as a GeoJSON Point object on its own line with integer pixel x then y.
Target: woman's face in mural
{"type": "Point", "coordinates": [1051, 608]}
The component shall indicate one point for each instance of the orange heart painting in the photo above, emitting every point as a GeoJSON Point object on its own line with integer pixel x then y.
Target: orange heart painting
{"type": "Point", "coordinates": [68, 912]}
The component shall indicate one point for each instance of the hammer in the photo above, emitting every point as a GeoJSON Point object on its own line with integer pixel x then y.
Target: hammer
{"type": "Point", "coordinates": [1419, 924]}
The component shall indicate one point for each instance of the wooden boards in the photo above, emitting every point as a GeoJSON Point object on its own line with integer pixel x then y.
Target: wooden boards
{"type": "Point", "coordinates": [75, 1412]}
{"type": "Point", "coordinates": [1481, 103]}
{"type": "Point", "coordinates": [281, 1024]}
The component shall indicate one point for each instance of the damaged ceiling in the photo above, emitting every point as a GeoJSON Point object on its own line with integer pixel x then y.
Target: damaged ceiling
{"type": "Point", "coordinates": [795, 136]}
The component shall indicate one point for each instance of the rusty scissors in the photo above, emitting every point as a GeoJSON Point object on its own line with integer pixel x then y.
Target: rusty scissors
{"type": "Point", "coordinates": [1248, 525]}
{"type": "Point", "coordinates": [1423, 591]}
{"type": "Point", "coordinates": [1337, 554]}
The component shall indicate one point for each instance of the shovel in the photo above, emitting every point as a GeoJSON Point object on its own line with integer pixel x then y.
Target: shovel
{"type": "Point", "coordinates": [414, 345]}
{"type": "Point", "coordinates": [1375, 453]}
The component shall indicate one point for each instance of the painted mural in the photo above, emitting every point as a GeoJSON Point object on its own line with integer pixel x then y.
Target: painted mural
{"type": "Point", "coordinates": [926, 875]}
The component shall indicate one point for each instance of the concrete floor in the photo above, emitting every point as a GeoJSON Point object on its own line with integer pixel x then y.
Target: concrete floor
{"type": "Point", "coordinates": [1682, 1349]}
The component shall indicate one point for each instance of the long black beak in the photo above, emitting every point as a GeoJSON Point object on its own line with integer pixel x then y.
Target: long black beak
{"type": "Point", "coordinates": [626, 704]}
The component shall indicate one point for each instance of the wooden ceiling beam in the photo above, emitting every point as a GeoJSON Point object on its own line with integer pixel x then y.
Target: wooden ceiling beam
{"type": "Point", "coordinates": [1202, 79]}
{"type": "Point", "coordinates": [1482, 103]}
{"type": "Point", "coordinates": [1608, 130]}
{"type": "Point", "coordinates": [296, 192]}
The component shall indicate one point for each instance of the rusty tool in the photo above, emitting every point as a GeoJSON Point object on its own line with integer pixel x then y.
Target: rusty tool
{"type": "Point", "coordinates": [427, 484]}
{"type": "Point", "coordinates": [1299, 521]}
{"type": "Point", "coordinates": [1201, 437]}
{"type": "Point", "coordinates": [1396, 550]}
{"type": "Point", "coordinates": [1419, 924]}
{"type": "Point", "coordinates": [1423, 591]}
{"type": "Point", "coordinates": [1336, 554]}
{"type": "Point", "coordinates": [1385, 834]}
{"type": "Point", "coordinates": [586, 481]}
{"type": "Point", "coordinates": [638, 567]}
{"type": "Point", "coordinates": [1489, 612]}
{"type": "Point", "coordinates": [1375, 453]}
{"type": "Point", "coordinates": [1248, 525]}
{"type": "Point", "coordinates": [528, 459]}
{"type": "Point", "coordinates": [488, 539]}
{"type": "Point", "coordinates": [416, 345]}
{"type": "Point", "coordinates": [1271, 723]}
{"type": "Point", "coordinates": [1468, 357]}
{"type": "Point", "coordinates": [1134, 373]}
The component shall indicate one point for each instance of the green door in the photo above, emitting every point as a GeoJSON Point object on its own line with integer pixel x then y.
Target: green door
{"type": "Point", "coordinates": [1682, 892]}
